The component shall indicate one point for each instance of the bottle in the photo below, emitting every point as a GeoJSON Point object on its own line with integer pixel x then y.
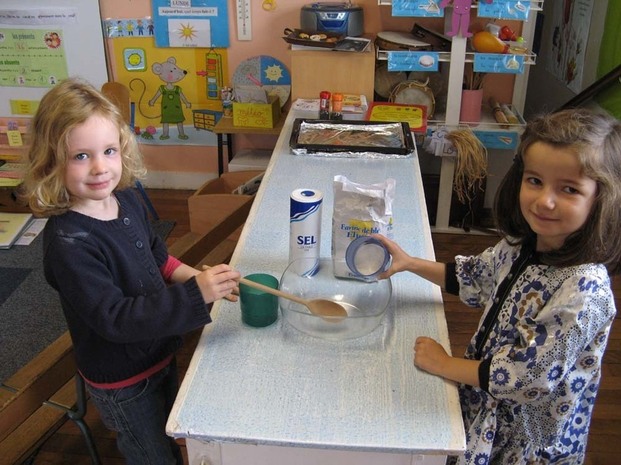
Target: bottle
{"type": "Point", "coordinates": [324, 104]}
{"type": "Point", "coordinates": [337, 107]}
{"type": "Point", "coordinates": [305, 230]}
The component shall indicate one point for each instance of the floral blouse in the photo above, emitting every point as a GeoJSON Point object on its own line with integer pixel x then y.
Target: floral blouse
{"type": "Point", "coordinates": [541, 357]}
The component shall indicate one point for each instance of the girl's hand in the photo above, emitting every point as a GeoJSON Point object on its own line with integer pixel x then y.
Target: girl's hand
{"type": "Point", "coordinates": [233, 296]}
{"type": "Point", "coordinates": [400, 258]}
{"type": "Point", "coordinates": [218, 282]}
{"type": "Point", "coordinates": [430, 356]}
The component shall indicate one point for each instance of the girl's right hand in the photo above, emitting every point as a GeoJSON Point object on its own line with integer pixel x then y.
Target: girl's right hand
{"type": "Point", "coordinates": [400, 258]}
{"type": "Point", "coordinates": [217, 282]}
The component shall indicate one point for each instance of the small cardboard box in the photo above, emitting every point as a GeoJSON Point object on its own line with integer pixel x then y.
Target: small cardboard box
{"type": "Point", "coordinates": [216, 200]}
{"type": "Point", "coordinates": [257, 115]}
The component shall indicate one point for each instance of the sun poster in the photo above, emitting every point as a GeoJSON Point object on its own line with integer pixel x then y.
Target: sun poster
{"type": "Point", "coordinates": [191, 23]}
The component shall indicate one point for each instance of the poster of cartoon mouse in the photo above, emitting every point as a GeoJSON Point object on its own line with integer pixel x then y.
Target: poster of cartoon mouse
{"type": "Point", "coordinates": [172, 96]}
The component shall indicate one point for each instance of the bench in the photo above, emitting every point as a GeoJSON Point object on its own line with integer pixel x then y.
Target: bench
{"type": "Point", "coordinates": [38, 399]}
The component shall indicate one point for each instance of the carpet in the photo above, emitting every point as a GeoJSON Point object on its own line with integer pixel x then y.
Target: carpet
{"type": "Point", "coordinates": [31, 317]}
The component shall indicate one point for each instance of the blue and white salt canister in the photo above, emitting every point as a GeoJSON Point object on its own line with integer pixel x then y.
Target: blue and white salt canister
{"type": "Point", "coordinates": [305, 229]}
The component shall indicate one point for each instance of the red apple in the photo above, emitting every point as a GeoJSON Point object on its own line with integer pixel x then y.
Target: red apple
{"type": "Point", "coordinates": [507, 34]}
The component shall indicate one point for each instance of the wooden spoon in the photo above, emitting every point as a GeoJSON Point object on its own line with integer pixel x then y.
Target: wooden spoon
{"type": "Point", "coordinates": [327, 309]}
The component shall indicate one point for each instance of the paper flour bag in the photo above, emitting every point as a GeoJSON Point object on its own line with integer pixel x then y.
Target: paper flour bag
{"type": "Point", "coordinates": [359, 210]}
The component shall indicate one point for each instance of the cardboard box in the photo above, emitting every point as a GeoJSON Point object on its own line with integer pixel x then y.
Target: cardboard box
{"type": "Point", "coordinates": [257, 115]}
{"type": "Point", "coordinates": [215, 200]}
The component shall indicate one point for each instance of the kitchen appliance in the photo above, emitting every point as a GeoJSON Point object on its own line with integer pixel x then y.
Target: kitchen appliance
{"type": "Point", "coordinates": [336, 17]}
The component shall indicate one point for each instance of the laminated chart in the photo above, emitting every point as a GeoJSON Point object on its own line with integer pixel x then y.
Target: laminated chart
{"type": "Point", "coordinates": [191, 23]}
{"type": "Point", "coordinates": [32, 57]}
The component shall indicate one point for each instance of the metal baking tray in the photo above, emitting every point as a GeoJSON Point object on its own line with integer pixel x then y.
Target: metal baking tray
{"type": "Point", "coordinates": [379, 137]}
{"type": "Point", "coordinates": [301, 37]}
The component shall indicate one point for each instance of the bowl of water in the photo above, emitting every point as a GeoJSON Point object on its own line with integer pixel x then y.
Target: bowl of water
{"type": "Point", "coordinates": [365, 302]}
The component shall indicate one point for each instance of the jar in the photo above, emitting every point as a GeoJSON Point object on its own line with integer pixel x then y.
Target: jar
{"type": "Point", "coordinates": [367, 258]}
{"type": "Point", "coordinates": [337, 107]}
{"type": "Point", "coordinates": [324, 105]}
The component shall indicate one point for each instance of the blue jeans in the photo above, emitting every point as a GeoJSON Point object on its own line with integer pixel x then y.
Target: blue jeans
{"type": "Point", "coordinates": [138, 415]}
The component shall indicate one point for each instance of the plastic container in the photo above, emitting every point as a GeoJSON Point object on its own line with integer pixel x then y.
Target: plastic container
{"type": "Point", "coordinates": [337, 107]}
{"type": "Point", "coordinates": [366, 258]}
{"type": "Point", "coordinates": [365, 302]}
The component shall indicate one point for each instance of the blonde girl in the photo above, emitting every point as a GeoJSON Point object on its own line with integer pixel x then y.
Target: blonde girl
{"type": "Point", "coordinates": [126, 300]}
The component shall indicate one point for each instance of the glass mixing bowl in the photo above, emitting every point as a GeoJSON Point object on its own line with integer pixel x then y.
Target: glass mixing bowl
{"type": "Point", "coordinates": [365, 302]}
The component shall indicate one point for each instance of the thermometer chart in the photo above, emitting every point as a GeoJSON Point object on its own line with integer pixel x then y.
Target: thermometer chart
{"type": "Point", "coordinates": [213, 74]}
{"type": "Point", "coordinates": [244, 20]}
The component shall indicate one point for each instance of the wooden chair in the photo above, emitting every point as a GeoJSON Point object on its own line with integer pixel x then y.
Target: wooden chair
{"type": "Point", "coordinates": [119, 94]}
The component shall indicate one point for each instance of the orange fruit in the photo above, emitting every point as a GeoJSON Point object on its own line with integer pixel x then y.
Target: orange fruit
{"type": "Point", "coordinates": [485, 42]}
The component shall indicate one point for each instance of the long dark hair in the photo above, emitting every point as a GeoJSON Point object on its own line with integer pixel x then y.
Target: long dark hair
{"type": "Point", "coordinates": [596, 138]}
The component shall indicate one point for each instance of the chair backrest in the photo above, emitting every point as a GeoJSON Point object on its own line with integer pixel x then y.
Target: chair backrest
{"type": "Point", "coordinates": [119, 94]}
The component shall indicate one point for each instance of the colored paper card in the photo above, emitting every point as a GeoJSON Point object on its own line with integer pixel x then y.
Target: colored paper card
{"type": "Point", "coordinates": [132, 27]}
{"type": "Point", "coordinates": [413, 61]}
{"type": "Point", "coordinates": [24, 107]}
{"type": "Point", "coordinates": [505, 9]}
{"type": "Point", "coordinates": [414, 115]}
{"type": "Point", "coordinates": [504, 140]}
{"type": "Point", "coordinates": [134, 59]}
{"type": "Point", "coordinates": [498, 63]}
{"type": "Point", "coordinates": [191, 23]}
{"type": "Point", "coordinates": [15, 138]}
{"type": "Point", "coordinates": [420, 8]}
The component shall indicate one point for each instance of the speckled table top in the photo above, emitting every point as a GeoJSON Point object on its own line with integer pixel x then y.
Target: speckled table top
{"type": "Point", "coordinates": [278, 386]}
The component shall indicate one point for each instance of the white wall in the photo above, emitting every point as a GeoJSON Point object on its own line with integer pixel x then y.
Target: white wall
{"type": "Point", "coordinates": [83, 43]}
{"type": "Point", "coordinates": [547, 93]}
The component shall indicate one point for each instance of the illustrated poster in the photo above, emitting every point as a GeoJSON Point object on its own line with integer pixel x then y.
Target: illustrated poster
{"type": "Point", "coordinates": [191, 23]}
{"type": "Point", "coordinates": [570, 34]}
{"type": "Point", "coordinates": [32, 57]}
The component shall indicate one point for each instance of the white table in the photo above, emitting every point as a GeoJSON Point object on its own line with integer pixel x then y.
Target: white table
{"type": "Point", "coordinates": [271, 396]}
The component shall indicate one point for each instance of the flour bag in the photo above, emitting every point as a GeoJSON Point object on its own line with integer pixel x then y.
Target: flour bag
{"type": "Point", "coordinates": [359, 210]}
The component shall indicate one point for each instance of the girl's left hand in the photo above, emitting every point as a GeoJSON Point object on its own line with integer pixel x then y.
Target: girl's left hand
{"type": "Point", "coordinates": [430, 356]}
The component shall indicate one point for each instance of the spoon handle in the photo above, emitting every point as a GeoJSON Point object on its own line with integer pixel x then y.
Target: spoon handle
{"type": "Point", "coordinates": [271, 290]}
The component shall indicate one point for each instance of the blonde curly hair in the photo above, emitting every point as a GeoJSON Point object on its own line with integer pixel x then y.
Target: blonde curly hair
{"type": "Point", "coordinates": [66, 106]}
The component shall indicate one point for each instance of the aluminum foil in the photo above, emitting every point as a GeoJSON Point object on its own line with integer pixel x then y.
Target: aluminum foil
{"type": "Point", "coordinates": [351, 140]}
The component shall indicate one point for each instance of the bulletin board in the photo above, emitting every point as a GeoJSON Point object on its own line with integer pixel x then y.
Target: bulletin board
{"type": "Point", "coordinates": [78, 25]}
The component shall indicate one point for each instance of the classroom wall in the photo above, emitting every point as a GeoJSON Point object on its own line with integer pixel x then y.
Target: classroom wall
{"type": "Point", "coordinates": [184, 165]}
{"type": "Point", "coordinates": [187, 165]}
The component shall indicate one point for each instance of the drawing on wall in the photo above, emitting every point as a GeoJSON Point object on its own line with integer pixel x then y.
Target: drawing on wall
{"type": "Point", "coordinates": [202, 24]}
{"type": "Point", "coordinates": [32, 57]}
{"type": "Point", "coordinates": [570, 34]}
{"type": "Point", "coordinates": [138, 27]}
{"type": "Point", "coordinates": [265, 72]}
{"type": "Point", "coordinates": [175, 92]}
{"type": "Point", "coordinates": [172, 97]}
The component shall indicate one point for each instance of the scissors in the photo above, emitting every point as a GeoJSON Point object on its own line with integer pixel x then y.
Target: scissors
{"type": "Point", "coordinates": [269, 5]}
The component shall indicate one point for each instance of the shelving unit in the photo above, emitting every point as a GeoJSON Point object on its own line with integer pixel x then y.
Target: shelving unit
{"type": "Point", "coordinates": [458, 57]}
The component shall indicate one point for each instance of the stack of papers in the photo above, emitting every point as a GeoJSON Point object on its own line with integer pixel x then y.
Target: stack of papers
{"type": "Point", "coordinates": [11, 174]}
{"type": "Point", "coordinates": [12, 225]}
{"type": "Point", "coordinates": [348, 44]}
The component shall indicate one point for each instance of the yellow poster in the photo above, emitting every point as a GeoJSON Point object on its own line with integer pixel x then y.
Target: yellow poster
{"type": "Point", "coordinates": [172, 89]}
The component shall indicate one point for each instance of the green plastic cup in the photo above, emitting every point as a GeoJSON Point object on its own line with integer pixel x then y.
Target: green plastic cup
{"type": "Point", "coordinates": [258, 308]}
